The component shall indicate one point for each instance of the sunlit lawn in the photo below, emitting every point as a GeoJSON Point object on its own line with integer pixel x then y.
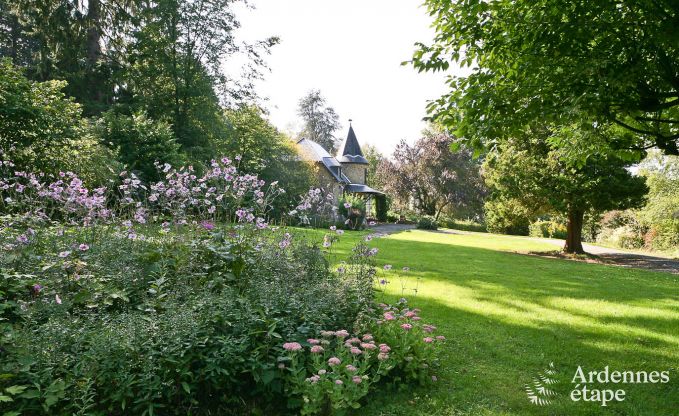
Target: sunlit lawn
{"type": "Point", "coordinates": [507, 316]}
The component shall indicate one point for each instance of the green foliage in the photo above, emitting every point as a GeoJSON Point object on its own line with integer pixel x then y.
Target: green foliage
{"type": "Point", "coordinates": [41, 129]}
{"type": "Point", "coordinates": [506, 216]}
{"type": "Point", "coordinates": [352, 208]}
{"type": "Point", "coordinates": [140, 142]}
{"type": "Point", "coordinates": [427, 222]}
{"type": "Point", "coordinates": [550, 61]}
{"type": "Point", "coordinates": [320, 120]}
{"type": "Point", "coordinates": [190, 319]}
{"type": "Point", "coordinates": [464, 225]}
{"type": "Point", "coordinates": [266, 152]}
{"type": "Point", "coordinates": [547, 229]}
{"type": "Point", "coordinates": [530, 173]}
{"type": "Point", "coordinates": [381, 207]}
{"type": "Point", "coordinates": [340, 370]}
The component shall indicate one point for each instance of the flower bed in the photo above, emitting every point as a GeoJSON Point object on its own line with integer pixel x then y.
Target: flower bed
{"type": "Point", "coordinates": [177, 297]}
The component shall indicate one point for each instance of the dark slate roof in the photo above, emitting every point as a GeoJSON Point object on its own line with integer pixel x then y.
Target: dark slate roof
{"type": "Point", "coordinates": [361, 189]}
{"type": "Point", "coordinates": [350, 152]}
{"type": "Point", "coordinates": [316, 153]}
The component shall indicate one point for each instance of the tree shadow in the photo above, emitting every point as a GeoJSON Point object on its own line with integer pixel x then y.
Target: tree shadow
{"type": "Point", "coordinates": [507, 316]}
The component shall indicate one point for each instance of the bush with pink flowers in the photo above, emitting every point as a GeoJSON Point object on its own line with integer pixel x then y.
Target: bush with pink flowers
{"type": "Point", "coordinates": [332, 373]}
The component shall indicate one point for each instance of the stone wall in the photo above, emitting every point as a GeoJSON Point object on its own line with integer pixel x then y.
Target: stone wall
{"type": "Point", "coordinates": [355, 172]}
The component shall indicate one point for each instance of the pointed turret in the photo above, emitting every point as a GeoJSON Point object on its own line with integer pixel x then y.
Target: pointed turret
{"type": "Point", "coordinates": [350, 151]}
{"type": "Point", "coordinates": [354, 165]}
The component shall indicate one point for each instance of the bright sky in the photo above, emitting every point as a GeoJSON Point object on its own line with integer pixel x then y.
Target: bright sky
{"type": "Point", "coordinates": [351, 50]}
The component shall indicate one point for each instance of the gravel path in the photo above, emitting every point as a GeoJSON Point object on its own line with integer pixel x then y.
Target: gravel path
{"type": "Point", "coordinates": [603, 254]}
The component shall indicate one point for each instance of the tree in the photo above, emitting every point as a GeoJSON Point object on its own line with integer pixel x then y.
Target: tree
{"type": "Point", "coordinates": [375, 158]}
{"type": "Point", "coordinates": [529, 172]}
{"type": "Point", "coordinates": [553, 60]}
{"type": "Point", "coordinates": [41, 130]}
{"type": "Point", "coordinates": [266, 152]}
{"type": "Point", "coordinates": [434, 176]}
{"type": "Point", "coordinates": [661, 213]}
{"type": "Point", "coordinates": [320, 121]}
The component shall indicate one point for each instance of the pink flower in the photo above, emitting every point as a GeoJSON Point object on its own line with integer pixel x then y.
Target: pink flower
{"type": "Point", "coordinates": [384, 348]}
{"type": "Point", "coordinates": [342, 333]}
{"type": "Point", "coordinates": [292, 346]}
{"type": "Point", "coordinates": [351, 368]}
{"type": "Point", "coordinates": [347, 205]}
{"type": "Point", "coordinates": [357, 379]}
{"type": "Point", "coordinates": [382, 356]}
{"type": "Point", "coordinates": [428, 328]}
{"type": "Point", "coordinates": [387, 267]}
{"type": "Point", "coordinates": [355, 351]}
{"type": "Point", "coordinates": [334, 361]}
{"type": "Point", "coordinates": [83, 247]}
{"type": "Point", "coordinates": [57, 299]}
{"type": "Point", "coordinates": [327, 333]}
{"type": "Point", "coordinates": [339, 232]}
{"type": "Point", "coordinates": [410, 314]}
{"type": "Point", "coordinates": [368, 346]}
{"type": "Point", "coordinates": [316, 349]}
{"type": "Point", "coordinates": [313, 379]}
{"type": "Point", "coordinates": [333, 228]}
{"type": "Point", "coordinates": [64, 254]}
{"type": "Point", "coordinates": [407, 327]}
{"type": "Point", "coordinates": [313, 341]}
{"type": "Point", "coordinates": [416, 318]}
{"type": "Point", "coordinates": [339, 382]}
{"type": "Point", "coordinates": [429, 340]}
{"type": "Point", "coordinates": [353, 340]}
{"type": "Point", "coordinates": [367, 337]}
{"type": "Point", "coordinates": [441, 338]}
{"type": "Point", "coordinates": [389, 316]}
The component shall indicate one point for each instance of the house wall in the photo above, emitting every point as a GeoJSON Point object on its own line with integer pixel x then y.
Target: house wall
{"type": "Point", "coordinates": [328, 182]}
{"type": "Point", "coordinates": [355, 172]}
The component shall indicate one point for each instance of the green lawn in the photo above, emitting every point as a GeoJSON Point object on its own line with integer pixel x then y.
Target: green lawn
{"type": "Point", "coordinates": [507, 316]}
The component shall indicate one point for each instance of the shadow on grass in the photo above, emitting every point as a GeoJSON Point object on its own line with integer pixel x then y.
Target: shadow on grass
{"type": "Point", "coordinates": [507, 316]}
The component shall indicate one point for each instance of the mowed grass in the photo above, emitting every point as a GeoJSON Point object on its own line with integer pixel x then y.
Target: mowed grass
{"type": "Point", "coordinates": [507, 316]}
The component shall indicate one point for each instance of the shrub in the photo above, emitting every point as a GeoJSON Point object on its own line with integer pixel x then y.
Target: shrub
{"type": "Point", "coordinates": [506, 217]}
{"type": "Point", "coordinates": [548, 229]}
{"type": "Point", "coordinates": [333, 373]}
{"type": "Point", "coordinates": [352, 208]}
{"type": "Point", "coordinates": [427, 223]}
{"type": "Point", "coordinates": [465, 225]}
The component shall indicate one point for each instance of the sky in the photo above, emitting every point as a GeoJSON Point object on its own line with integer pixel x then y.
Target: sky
{"type": "Point", "coordinates": [351, 51]}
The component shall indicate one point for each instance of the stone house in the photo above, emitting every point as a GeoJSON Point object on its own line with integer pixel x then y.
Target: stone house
{"type": "Point", "coordinates": [345, 173]}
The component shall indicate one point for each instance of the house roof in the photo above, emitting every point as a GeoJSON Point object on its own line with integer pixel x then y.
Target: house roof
{"type": "Point", "coordinates": [350, 152]}
{"type": "Point", "coordinates": [361, 189]}
{"type": "Point", "coordinates": [314, 152]}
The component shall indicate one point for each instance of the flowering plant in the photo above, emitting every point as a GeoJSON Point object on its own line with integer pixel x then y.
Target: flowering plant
{"type": "Point", "coordinates": [332, 373]}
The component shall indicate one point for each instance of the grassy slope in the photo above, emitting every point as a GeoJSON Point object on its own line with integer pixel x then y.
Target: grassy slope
{"type": "Point", "coordinates": [507, 316]}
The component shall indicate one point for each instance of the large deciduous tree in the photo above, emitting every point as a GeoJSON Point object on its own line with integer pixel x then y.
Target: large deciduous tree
{"type": "Point", "coordinates": [320, 121]}
{"type": "Point", "coordinates": [553, 60]}
{"type": "Point", "coordinates": [530, 173]}
{"type": "Point", "coordinates": [434, 176]}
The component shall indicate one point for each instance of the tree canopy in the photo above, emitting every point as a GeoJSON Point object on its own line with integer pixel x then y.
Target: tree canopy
{"type": "Point", "coordinates": [529, 173]}
{"type": "Point", "coordinates": [320, 120]}
{"type": "Point", "coordinates": [434, 176]}
{"type": "Point", "coordinates": [554, 60]}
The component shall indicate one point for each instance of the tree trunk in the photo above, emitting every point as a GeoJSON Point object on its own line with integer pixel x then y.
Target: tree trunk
{"type": "Point", "coordinates": [574, 237]}
{"type": "Point", "coordinates": [93, 32]}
